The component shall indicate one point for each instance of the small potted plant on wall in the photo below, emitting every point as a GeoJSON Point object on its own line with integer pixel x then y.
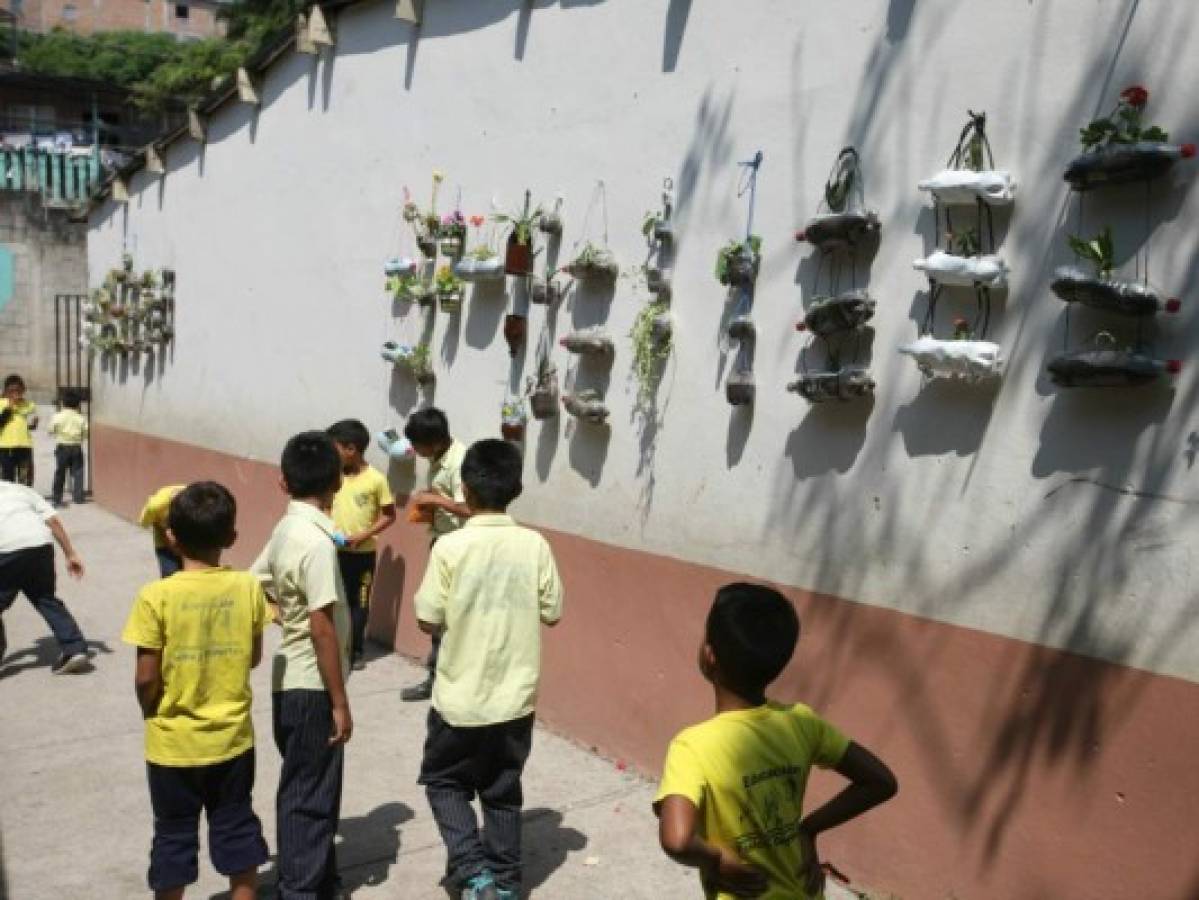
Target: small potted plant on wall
{"type": "Point", "coordinates": [594, 261]}
{"type": "Point", "coordinates": [1100, 290]}
{"type": "Point", "coordinates": [452, 235]}
{"type": "Point", "coordinates": [652, 342]}
{"type": "Point", "coordinates": [587, 406]}
{"type": "Point", "coordinates": [1118, 148]}
{"type": "Point", "coordinates": [543, 389]}
{"type": "Point", "coordinates": [737, 262]}
{"type": "Point", "coordinates": [449, 290]}
{"type": "Point", "coordinates": [592, 341]}
{"type": "Point", "coordinates": [550, 223]}
{"type": "Point", "coordinates": [544, 289]}
{"type": "Point", "coordinates": [425, 223]}
{"type": "Point", "coordinates": [518, 255]}
{"type": "Point", "coordinates": [513, 419]}
{"type": "Point", "coordinates": [656, 227]}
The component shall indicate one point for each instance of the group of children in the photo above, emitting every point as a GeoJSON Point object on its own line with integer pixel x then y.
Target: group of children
{"type": "Point", "coordinates": [731, 797]}
{"type": "Point", "coordinates": [68, 427]}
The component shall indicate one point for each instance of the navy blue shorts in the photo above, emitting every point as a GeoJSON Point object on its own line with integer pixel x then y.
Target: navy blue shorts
{"type": "Point", "coordinates": [222, 790]}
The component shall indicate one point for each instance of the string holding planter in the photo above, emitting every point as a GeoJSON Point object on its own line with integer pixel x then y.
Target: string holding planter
{"type": "Point", "coordinates": [1117, 149]}
{"type": "Point", "coordinates": [594, 260]}
{"type": "Point", "coordinates": [842, 228]}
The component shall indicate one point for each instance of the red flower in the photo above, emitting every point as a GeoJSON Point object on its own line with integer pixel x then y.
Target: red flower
{"type": "Point", "coordinates": [1135, 96]}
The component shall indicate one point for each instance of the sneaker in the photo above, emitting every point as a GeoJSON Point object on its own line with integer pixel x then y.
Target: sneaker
{"type": "Point", "coordinates": [69, 662]}
{"type": "Point", "coordinates": [481, 887]}
{"type": "Point", "coordinates": [507, 893]}
{"type": "Point", "coordinates": [418, 692]}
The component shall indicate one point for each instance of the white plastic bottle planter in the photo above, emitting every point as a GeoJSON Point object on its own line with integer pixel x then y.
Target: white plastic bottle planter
{"type": "Point", "coordinates": [844, 229]}
{"type": "Point", "coordinates": [586, 406]}
{"type": "Point", "coordinates": [469, 268]}
{"type": "Point", "coordinates": [396, 354]}
{"type": "Point", "coordinates": [849, 383]}
{"type": "Point", "coordinates": [971, 360]}
{"type": "Point", "coordinates": [400, 265]}
{"type": "Point", "coordinates": [1122, 163]}
{"type": "Point", "coordinates": [955, 187]}
{"type": "Point", "coordinates": [739, 388]}
{"type": "Point", "coordinates": [946, 268]}
{"type": "Point", "coordinates": [395, 445]}
{"type": "Point", "coordinates": [1128, 298]}
{"type": "Point", "coordinates": [1109, 368]}
{"type": "Point", "coordinates": [831, 315]}
{"type": "Point", "coordinates": [592, 341]}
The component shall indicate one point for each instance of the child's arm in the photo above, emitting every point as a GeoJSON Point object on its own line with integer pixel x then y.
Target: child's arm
{"type": "Point", "coordinates": [719, 867]}
{"type": "Point", "coordinates": [387, 517]}
{"type": "Point", "coordinates": [328, 661]}
{"type": "Point", "coordinates": [74, 563]}
{"type": "Point", "coordinates": [147, 680]}
{"type": "Point", "coordinates": [432, 498]}
{"type": "Point", "coordinates": [871, 783]}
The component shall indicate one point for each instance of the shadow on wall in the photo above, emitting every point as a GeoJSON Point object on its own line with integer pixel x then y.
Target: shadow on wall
{"type": "Point", "coordinates": [1107, 461]}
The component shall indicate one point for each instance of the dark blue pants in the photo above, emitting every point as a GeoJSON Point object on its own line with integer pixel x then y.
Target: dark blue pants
{"type": "Point", "coordinates": [357, 576]}
{"type": "Point", "coordinates": [486, 761]}
{"type": "Point", "coordinates": [31, 572]}
{"type": "Point", "coordinates": [68, 458]}
{"type": "Point", "coordinates": [222, 790]}
{"type": "Point", "coordinates": [168, 561]}
{"type": "Point", "coordinates": [308, 805]}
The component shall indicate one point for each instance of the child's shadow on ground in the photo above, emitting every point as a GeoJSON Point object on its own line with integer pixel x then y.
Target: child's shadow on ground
{"type": "Point", "coordinates": [43, 654]}
{"type": "Point", "coordinates": [547, 844]}
{"type": "Point", "coordinates": [368, 847]}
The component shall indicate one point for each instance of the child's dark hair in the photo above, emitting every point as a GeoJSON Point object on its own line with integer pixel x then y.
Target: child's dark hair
{"type": "Point", "coordinates": [351, 432]}
{"type": "Point", "coordinates": [70, 399]}
{"type": "Point", "coordinates": [310, 464]}
{"type": "Point", "coordinates": [752, 630]}
{"type": "Point", "coordinates": [202, 518]}
{"type": "Point", "coordinates": [14, 381]}
{"type": "Point", "coordinates": [492, 471]}
{"type": "Point", "coordinates": [428, 427]}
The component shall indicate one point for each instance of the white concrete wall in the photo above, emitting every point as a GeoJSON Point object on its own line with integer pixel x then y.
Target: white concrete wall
{"type": "Point", "coordinates": [1067, 519]}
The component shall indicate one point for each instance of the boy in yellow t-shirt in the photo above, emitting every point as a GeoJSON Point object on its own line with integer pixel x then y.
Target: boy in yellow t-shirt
{"type": "Point", "coordinates": [362, 509]}
{"type": "Point", "coordinates": [68, 428]}
{"type": "Point", "coordinates": [198, 634]}
{"type": "Point", "coordinates": [731, 799]}
{"type": "Point", "coordinates": [18, 416]}
{"type": "Point", "coordinates": [154, 517]}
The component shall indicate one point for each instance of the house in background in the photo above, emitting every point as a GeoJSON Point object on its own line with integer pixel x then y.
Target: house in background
{"type": "Point", "coordinates": [187, 19]}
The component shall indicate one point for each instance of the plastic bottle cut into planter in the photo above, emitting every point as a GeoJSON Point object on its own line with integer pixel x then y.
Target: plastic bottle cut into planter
{"type": "Point", "coordinates": [400, 265]}
{"type": "Point", "coordinates": [739, 388]}
{"type": "Point", "coordinates": [845, 312]}
{"type": "Point", "coordinates": [395, 445]}
{"type": "Point", "coordinates": [477, 270]}
{"type": "Point", "coordinates": [586, 406]}
{"type": "Point", "coordinates": [987, 270]}
{"type": "Point", "coordinates": [742, 269]}
{"type": "Point", "coordinates": [742, 328]}
{"type": "Point", "coordinates": [835, 230]}
{"type": "Point", "coordinates": [515, 330]}
{"type": "Point", "coordinates": [1109, 368]}
{"type": "Point", "coordinates": [594, 341]}
{"type": "Point", "coordinates": [970, 360]}
{"type": "Point", "coordinates": [850, 383]}
{"type": "Point", "coordinates": [1128, 298]}
{"type": "Point", "coordinates": [1124, 163]}
{"type": "Point", "coordinates": [544, 291]}
{"type": "Point", "coordinates": [955, 187]}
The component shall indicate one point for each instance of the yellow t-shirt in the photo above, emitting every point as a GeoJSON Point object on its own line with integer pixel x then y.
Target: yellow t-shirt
{"type": "Point", "coordinates": [154, 513]}
{"type": "Point", "coordinates": [746, 771]}
{"type": "Point", "coordinates": [204, 621]}
{"type": "Point", "coordinates": [491, 584]}
{"type": "Point", "coordinates": [445, 478]}
{"type": "Point", "coordinates": [359, 502]}
{"type": "Point", "coordinates": [15, 432]}
{"type": "Point", "coordinates": [68, 427]}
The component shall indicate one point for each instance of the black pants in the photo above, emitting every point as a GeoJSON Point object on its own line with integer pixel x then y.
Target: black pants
{"type": "Point", "coordinates": [222, 790]}
{"type": "Point", "coordinates": [31, 572]}
{"type": "Point", "coordinates": [462, 763]}
{"type": "Point", "coordinates": [68, 458]}
{"type": "Point", "coordinates": [16, 464]}
{"type": "Point", "coordinates": [308, 805]}
{"type": "Point", "coordinates": [358, 577]}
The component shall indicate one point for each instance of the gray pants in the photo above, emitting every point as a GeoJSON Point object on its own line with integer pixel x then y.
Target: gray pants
{"type": "Point", "coordinates": [308, 804]}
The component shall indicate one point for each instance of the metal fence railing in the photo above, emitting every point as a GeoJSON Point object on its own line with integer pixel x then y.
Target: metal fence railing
{"type": "Point", "coordinates": [62, 178]}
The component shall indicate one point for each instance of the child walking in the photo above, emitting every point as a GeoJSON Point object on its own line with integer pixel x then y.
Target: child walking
{"type": "Point", "coordinates": [18, 417]}
{"type": "Point", "coordinates": [68, 428]}
{"type": "Point", "coordinates": [731, 799]}
{"type": "Point", "coordinates": [198, 634]}
{"type": "Point", "coordinates": [487, 590]}
{"type": "Point", "coordinates": [362, 509]}
{"type": "Point", "coordinates": [309, 706]}
{"type": "Point", "coordinates": [428, 430]}
{"type": "Point", "coordinates": [154, 517]}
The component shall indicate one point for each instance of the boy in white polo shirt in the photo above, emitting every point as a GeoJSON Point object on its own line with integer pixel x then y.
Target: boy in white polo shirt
{"type": "Point", "coordinates": [28, 524]}
{"type": "Point", "coordinates": [487, 590]}
{"type": "Point", "coordinates": [298, 570]}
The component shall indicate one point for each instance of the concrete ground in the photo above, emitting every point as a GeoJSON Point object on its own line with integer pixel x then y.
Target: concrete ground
{"type": "Point", "coordinates": [75, 813]}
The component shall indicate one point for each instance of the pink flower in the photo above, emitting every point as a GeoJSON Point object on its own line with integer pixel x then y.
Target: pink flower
{"type": "Point", "coordinates": [1135, 96]}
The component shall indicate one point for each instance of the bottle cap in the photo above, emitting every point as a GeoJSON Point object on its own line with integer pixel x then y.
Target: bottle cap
{"type": "Point", "coordinates": [1173, 305]}
{"type": "Point", "coordinates": [1174, 366]}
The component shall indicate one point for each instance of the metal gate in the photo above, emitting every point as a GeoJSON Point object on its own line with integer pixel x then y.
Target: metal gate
{"type": "Point", "coordinates": [72, 362]}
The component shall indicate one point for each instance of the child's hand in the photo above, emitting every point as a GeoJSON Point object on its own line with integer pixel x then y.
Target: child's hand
{"type": "Point", "coordinates": [733, 876]}
{"type": "Point", "coordinates": [75, 566]}
{"type": "Point", "coordinates": [343, 725]}
{"type": "Point", "coordinates": [811, 871]}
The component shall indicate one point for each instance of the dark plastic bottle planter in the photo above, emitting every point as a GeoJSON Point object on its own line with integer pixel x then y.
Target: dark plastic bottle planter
{"type": "Point", "coordinates": [424, 377]}
{"type": "Point", "coordinates": [662, 327]}
{"type": "Point", "coordinates": [518, 257]}
{"type": "Point", "coordinates": [742, 328]}
{"type": "Point", "coordinates": [658, 281]}
{"type": "Point", "coordinates": [515, 329]}
{"type": "Point", "coordinates": [1124, 163]}
{"type": "Point", "coordinates": [845, 384]}
{"type": "Point", "coordinates": [450, 301]}
{"type": "Point", "coordinates": [544, 291]}
{"type": "Point", "coordinates": [427, 247]}
{"type": "Point", "coordinates": [845, 312]}
{"type": "Point", "coordinates": [588, 342]}
{"type": "Point", "coordinates": [1128, 298]}
{"type": "Point", "coordinates": [742, 268]}
{"type": "Point", "coordinates": [543, 401]}
{"type": "Point", "coordinates": [600, 266]}
{"type": "Point", "coordinates": [834, 230]}
{"type": "Point", "coordinates": [663, 231]}
{"type": "Point", "coordinates": [450, 246]}
{"type": "Point", "coordinates": [425, 296]}
{"type": "Point", "coordinates": [739, 388]}
{"type": "Point", "coordinates": [513, 431]}
{"type": "Point", "coordinates": [1109, 368]}
{"type": "Point", "coordinates": [586, 406]}
{"type": "Point", "coordinates": [550, 223]}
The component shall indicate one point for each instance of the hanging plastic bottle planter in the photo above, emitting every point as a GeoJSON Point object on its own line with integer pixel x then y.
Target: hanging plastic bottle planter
{"type": "Point", "coordinates": [415, 359]}
{"type": "Point", "coordinates": [542, 389]}
{"type": "Point", "coordinates": [830, 315]}
{"type": "Point", "coordinates": [550, 223]}
{"type": "Point", "coordinates": [1118, 150]}
{"type": "Point", "coordinates": [544, 290]}
{"type": "Point", "coordinates": [963, 359]}
{"type": "Point", "coordinates": [656, 225]}
{"type": "Point", "coordinates": [518, 251]}
{"type": "Point", "coordinates": [1100, 290]}
{"type": "Point", "coordinates": [842, 220]}
{"type": "Point", "coordinates": [739, 388]}
{"type": "Point", "coordinates": [594, 262]}
{"type": "Point", "coordinates": [964, 271]}
{"type": "Point", "coordinates": [593, 341]}
{"type": "Point", "coordinates": [515, 329]}
{"type": "Point", "coordinates": [513, 419]}
{"type": "Point", "coordinates": [586, 406]}
{"type": "Point", "coordinates": [849, 383]}
{"type": "Point", "coordinates": [1107, 366]}
{"type": "Point", "coordinates": [395, 445]}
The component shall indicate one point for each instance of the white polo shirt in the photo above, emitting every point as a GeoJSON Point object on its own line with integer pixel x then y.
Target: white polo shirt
{"type": "Point", "coordinates": [23, 518]}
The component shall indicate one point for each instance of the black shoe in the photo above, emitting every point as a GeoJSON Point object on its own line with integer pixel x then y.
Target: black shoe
{"type": "Point", "coordinates": [418, 692]}
{"type": "Point", "coordinates": [358, 664]}
{"type": "Point", "coordinates": [69, 662]}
